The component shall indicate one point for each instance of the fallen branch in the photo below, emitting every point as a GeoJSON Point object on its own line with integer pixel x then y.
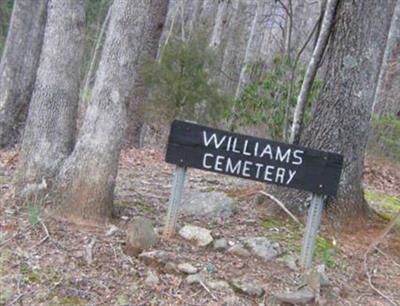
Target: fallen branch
{"type": "Point", "coordinates": [46, 231]}
{"type": "Point", "coordinates": [281, 205]}
{"type": "Point", "coordinates": [208, 290]}
{"type": "Point", "coordinates": [89, 251]}
{"type": "Point", "coordinates": [374, 246]}
{"type": "Point", "coordinates": [387, 257]}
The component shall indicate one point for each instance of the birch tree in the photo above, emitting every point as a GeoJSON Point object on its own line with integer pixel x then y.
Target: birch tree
{"type": "Point", "coordinates": [386, 99]}
{"type": "Point", "coordinates": [219, 24]}
{"type": "Point", "coordinates": [312, 68]}
{"type": "Point", "coordinates": [19, 65]}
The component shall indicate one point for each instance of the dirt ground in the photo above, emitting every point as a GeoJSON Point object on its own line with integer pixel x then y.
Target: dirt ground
{"type": "Point", "coordinates": [48, 262]}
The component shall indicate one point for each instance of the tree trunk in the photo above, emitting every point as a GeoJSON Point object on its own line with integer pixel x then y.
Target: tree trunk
{"type": "Point", "coordinates": [50, 127]}
{"type": "Point", "coordinates": [86, 181]}
{"type": "Point", "coordinates": [388, 91]}
{"type": "Point", "coordinates": [340, 119]}
{"type": "Point", "coordinates": [244, 73]}
{"type": "Point", "coordinates": [311, 72]}
{"type": "Point", "coordinates": [91, 73]}
{"type": "Point", "coordinates": [154, 26]}
{"type": "Point", "coordinates": [219, 25]}
{"type": "Point", "coordinates": [19, 65]}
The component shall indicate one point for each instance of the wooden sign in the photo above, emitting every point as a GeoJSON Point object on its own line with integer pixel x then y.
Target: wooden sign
{"type": "Point", "coordinates": [201, 147]}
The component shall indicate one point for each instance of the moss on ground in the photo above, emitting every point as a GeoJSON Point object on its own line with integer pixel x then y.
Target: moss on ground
{"type": "Point", "coordinates": [291, 236]}
{"type": "Point", "coordinates": [387, 205]}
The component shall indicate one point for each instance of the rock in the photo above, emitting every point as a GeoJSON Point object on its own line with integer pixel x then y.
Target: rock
{"type": "Point", "coordinates": [6, 292]}
{"type": "Point", "coordinates": [194, 279]}
{"type": "Point", "coordinates": [217, 284]}
{"type": "Point", "coordinates": [140, 236]}
{"type": "Point", "coordinates": [302, 296]}
{"type": "Point", "coordinates": [210, 204]}
{"type": "Point", "coordinates": [263, 248]}
{"type": "Point", "coordinates": [220, 244]}
{"type": "Point", "coordinates": [155, 258]}
{"type": "Point", "coordinates": [238, 250]}
{"type": "Point", "coordinates": [151, 279]}
{"type": "Point", "coordinates": [247, 287]}
{"type": "Point", "coordinates": [231, 301]}
{"type": "Point", "coordinates": [289, 261]}
{"type": "Point", "coordinates": [200, 235]}
{"type": "Point", "coordinates": [171, 268]}
{"type": "Point", "coordinates": [187, 268]}
{"type": "Point", "coordinates": [112, 230]}
{"type": "Point", "coordinates": [210, 268]}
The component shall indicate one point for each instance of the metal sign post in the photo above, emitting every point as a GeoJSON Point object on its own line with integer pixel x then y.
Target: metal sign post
{"type": "Point", "coordinates": [174, 201]}
{"type": "Point", "coordinates": [310, 236]}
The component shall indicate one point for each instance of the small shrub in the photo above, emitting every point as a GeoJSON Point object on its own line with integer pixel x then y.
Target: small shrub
{"type": "Point", "coordinates": [181, 84]}
{"type": "Point", "coordinates": [264, 101]}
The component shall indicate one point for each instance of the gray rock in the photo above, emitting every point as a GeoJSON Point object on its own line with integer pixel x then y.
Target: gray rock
{"type": "Point", "coordinates": [211, 204]}
{"type": "Point", "coordinates": [171, 268]}
{"type": "Point", "coordinates": [155, 258]}
{"type": "Point", "coordinates": [200, 235]}
{"type": "Point", "coordinates": [238, 250]}
{"type": "Point", "coordinates": [151, 279]}
{"type": "Point", "coordinates": [302, 296]}
{"type": "Point", "coordinates": [289, 261]}
{"type": "Point", "coordinates": [140, 236]}
{"type": "Point", "coordinates": [211, 268]}
{"type": "Point", "coordinates": [232, 301]}
{"type": "Point", "coordinates": [220, 244]}
{"type": "Point", "coordinates": [112, 230]}
{"type": "Point", "coordinates": [263, 248]}
{"type": "Point", "coordinates": [187, 268]}
{"type": "Point", "coordinates": [217, 284]}
{"type": "Point", "coordinates": [194, 279]}
{"type": "Point", "coordinates": [247, 287]}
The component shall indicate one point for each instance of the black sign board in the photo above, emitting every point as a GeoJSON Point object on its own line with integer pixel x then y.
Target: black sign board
{"type": "Point", "coordinates": [201, 147]}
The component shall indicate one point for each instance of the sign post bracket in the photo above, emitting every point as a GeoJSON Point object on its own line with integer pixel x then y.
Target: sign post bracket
{"type": "Point", "coordinates": [174, 201]}
{"type": "Point", "coordinates": [310, 236]}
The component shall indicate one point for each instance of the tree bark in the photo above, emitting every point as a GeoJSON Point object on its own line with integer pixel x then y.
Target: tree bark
{"type": "Point", "coordinates": [50, 127]}
{"type": "Point", "coordinates": [387, 93]}
{"type": "Point", "coordinates": [219, 25]}
{"type": "Point", "coordinates": [19, 65]}
{"type": "Point", "coordinates": [311, 72]}
{"type": "Point", "coordinates": [86, 181]}
{"type": "Point", "coordinates": [243, 76]}
{"type": "Point", "coordinates": [340, 119]}
{"type": "Point", "coordinates": [96, 54]}
{"type": "Point", "coordinates": [154, 26]}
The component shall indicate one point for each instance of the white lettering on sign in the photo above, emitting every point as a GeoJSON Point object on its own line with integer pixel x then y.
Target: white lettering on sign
{"type": "Point", "coordinates": [205, 165]}
{"type": "Point", "coordinates": [267, 152]}
{"type": "Point", "coordinates": [245, 168]}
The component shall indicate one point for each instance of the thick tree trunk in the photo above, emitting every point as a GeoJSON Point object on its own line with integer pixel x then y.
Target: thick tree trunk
{"type": "Point", "coordinates": [86, 181]}
{"type": "Point", "coordinates": [311, 72]}
{"type": "Point", "coordinates": [154, 26]}
{"type": "Point", "coordinates": [50, 127]}
{"type": "Point", "coordinates": [388, 90]}
{"type": "Point", "coordinates": [340, 119]}
{"type": "Point", "coordinates": [19, 65]}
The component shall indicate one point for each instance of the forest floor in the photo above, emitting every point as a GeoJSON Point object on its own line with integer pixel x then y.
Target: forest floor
{"type": "Point", "coordinates": [48, 262]}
